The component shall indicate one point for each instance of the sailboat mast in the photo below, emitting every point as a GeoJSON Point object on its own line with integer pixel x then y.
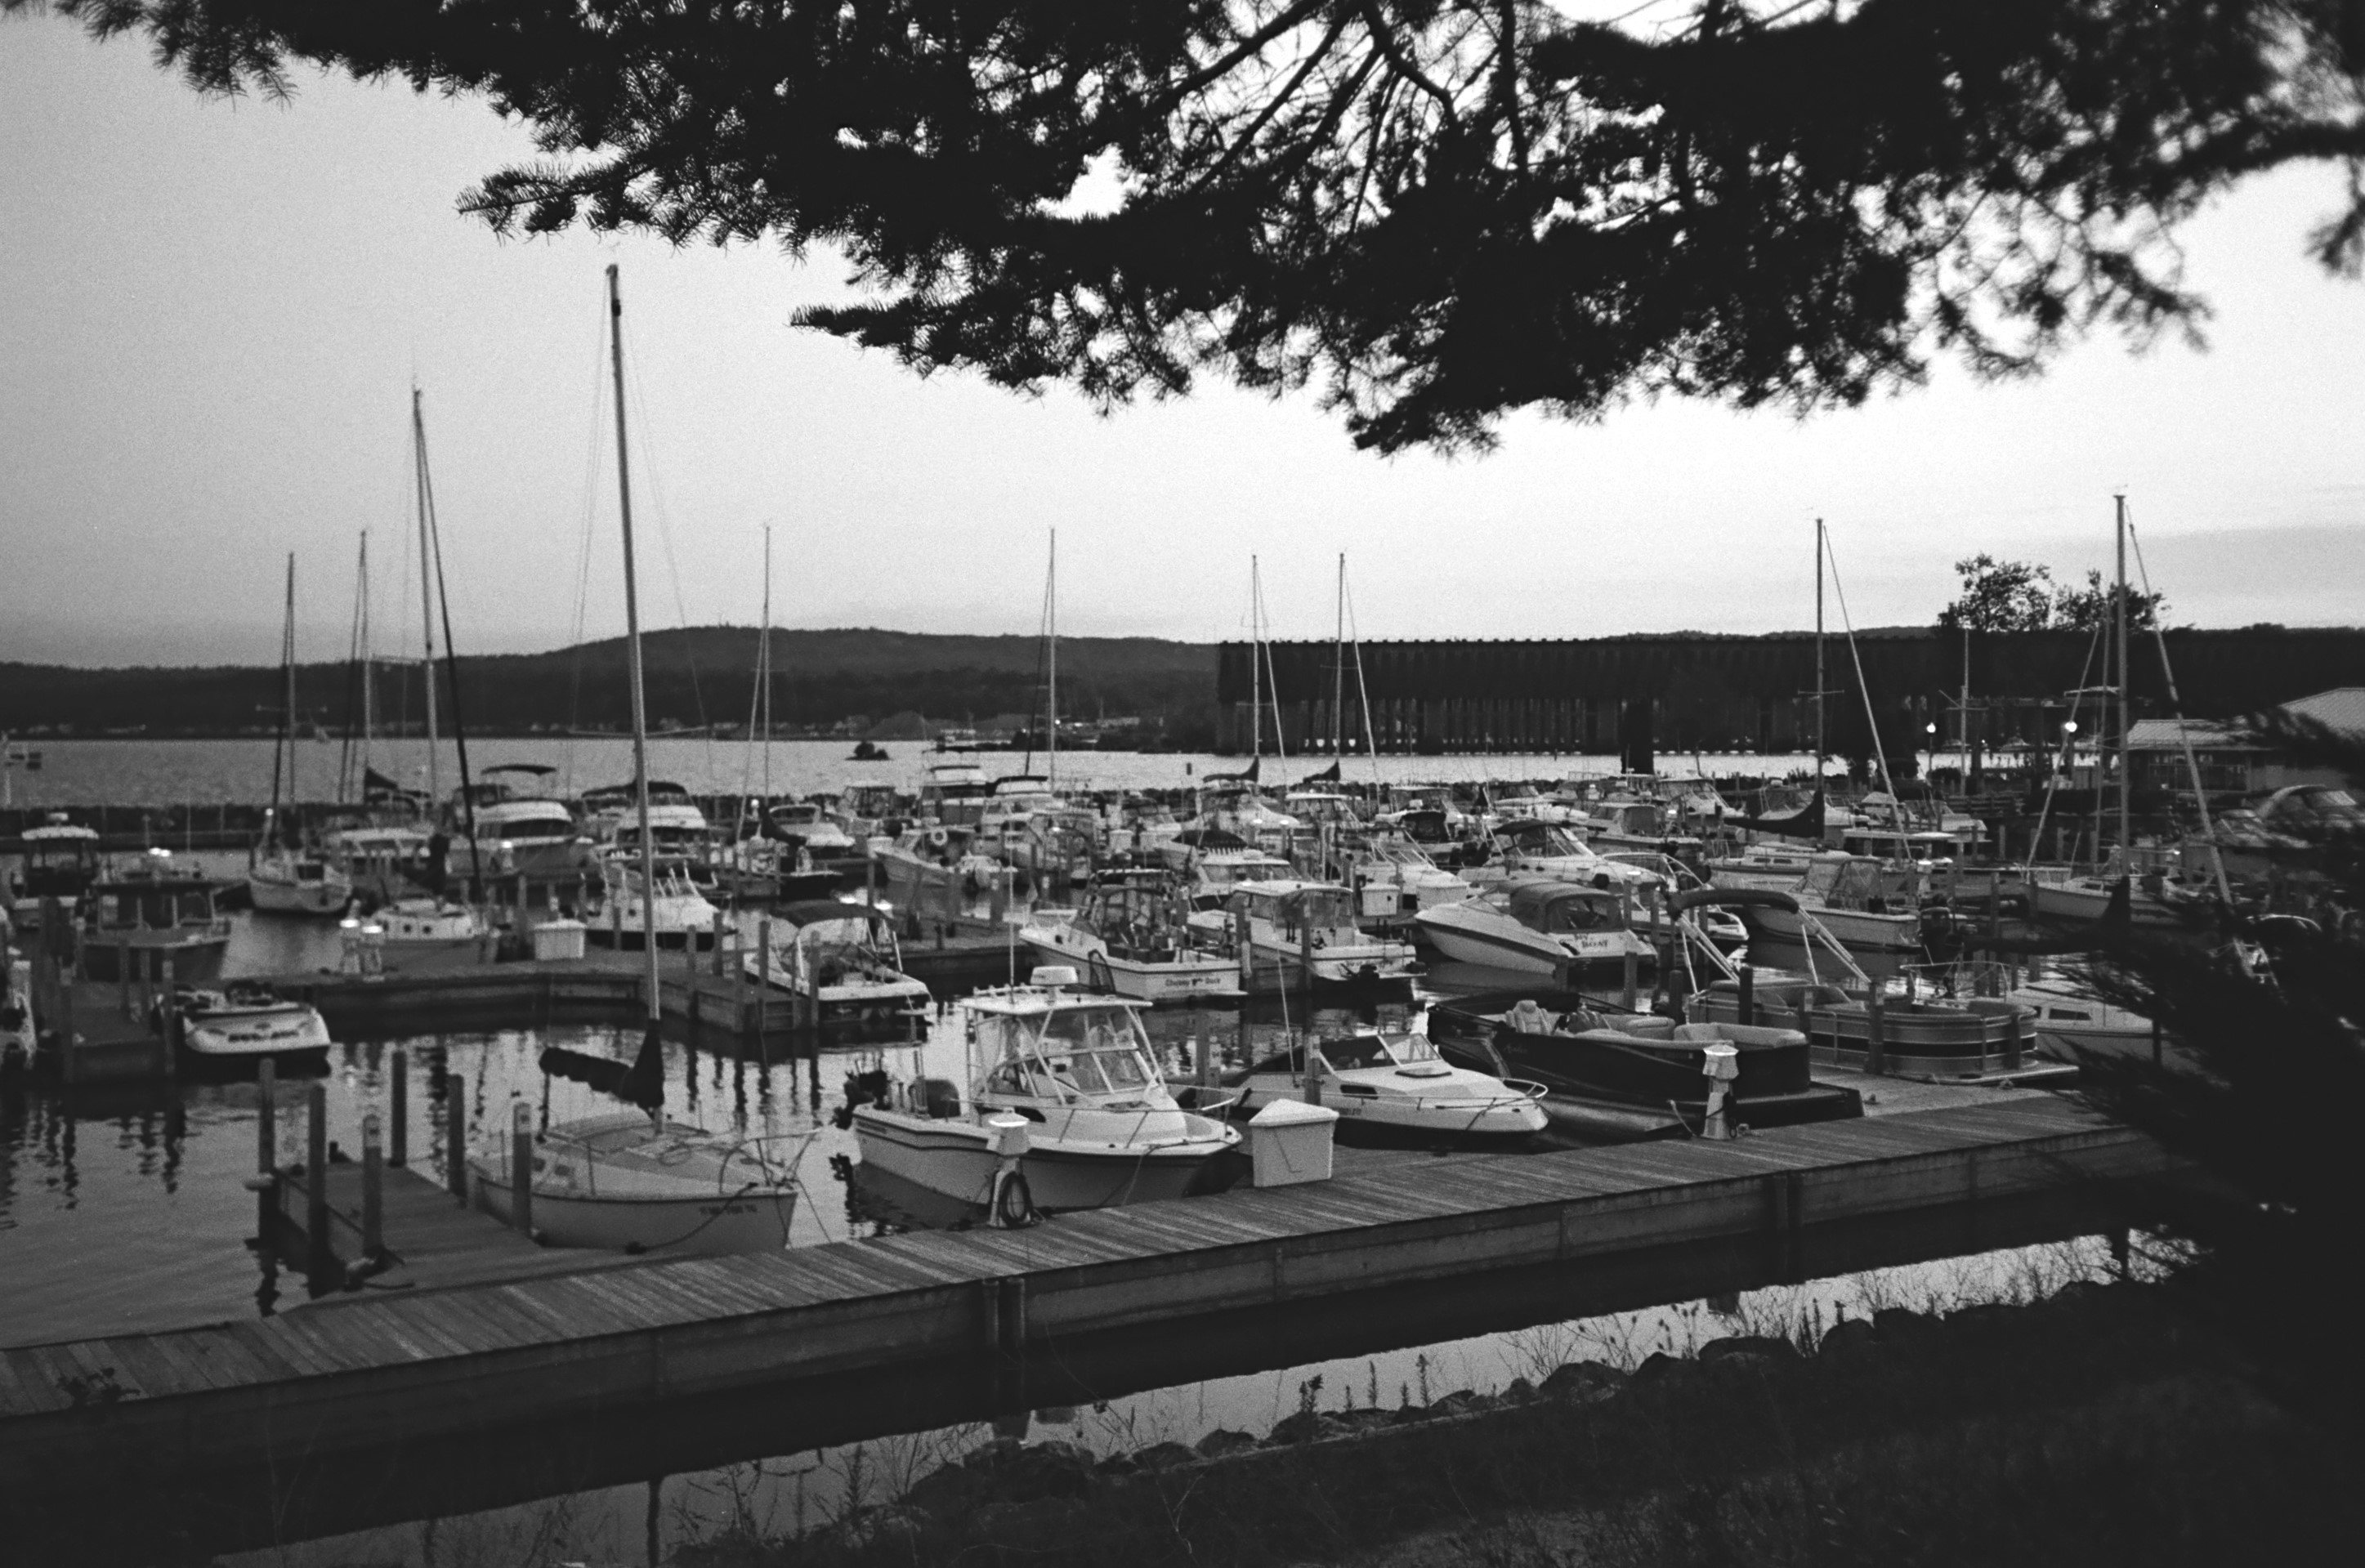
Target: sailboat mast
{"type": "Point", "coordinates": [283, 743]}
{"type": "Point", "coordinates": [632, 650]}
{"type": "Point", "coordinates": [1051, 700]}
{"type": "Point", "coordinates": [426, 594]}
{"type": "Point", "coordinates": [2126, 837]}
{"type": "Point", "coordinates": [1821, 752]}
{"type": "Point", "coordinates": [764, 660]}
{"type": "Point", "coordinates": [369, 697]}
{"type": "Point", "coordinates": [1339, 664]}
{"type": "Point", "coordinates": [1256, 662]}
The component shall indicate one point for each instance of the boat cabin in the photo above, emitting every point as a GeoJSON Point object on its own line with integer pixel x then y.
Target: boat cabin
{"type": "Point", "coordinates": [835, 943]}
{"type": "Point", "coordinates": [61, 860]}
{"type": "Point", "coordinates": [1294, 912]}
{"type": "Point", "coordinates": [163, 902]}
{"type": "Point", "coordinates": [1564, 908]}
{"type": "Point", "coordinates": [1045, 1046]}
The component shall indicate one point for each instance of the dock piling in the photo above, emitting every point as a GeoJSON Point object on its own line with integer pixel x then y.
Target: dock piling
{"type": "Point", "coordinates": [320, 1260]}
{"type": "Point", "coordinates": [1876, 1056]}
{"type": "Point", "coordinates": [266, 1129]}
{"type": "Point", "coordinates": [455, 1134]}
{"type": "Point", "coordinates": [373, 1186]}
{"type": "Point", "coordinates": [398, 1105]}
{"type": "Point", "coordinates": [522, 1165]}
{"type": "Point", "coordinates": [1747, 979]}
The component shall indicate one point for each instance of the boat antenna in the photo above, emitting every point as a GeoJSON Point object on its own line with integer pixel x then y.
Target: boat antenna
{"type": "Point", "coordinates": [632, 659]}
{"type": "Point", "coordinates": [2126, 830]}
{"type": "Point", "coordinates": [281, 742]}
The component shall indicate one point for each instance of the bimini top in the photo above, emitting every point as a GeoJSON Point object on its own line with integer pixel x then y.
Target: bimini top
{"type": "Point", "coordinates": [1034, 1001]}
{"type": "Point", "coordinates": [817, 912]}
{"type": "Point", "coordinates": [59, 832]}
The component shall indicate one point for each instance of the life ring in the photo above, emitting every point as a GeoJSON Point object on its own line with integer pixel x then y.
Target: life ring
{"type": "Point", "coordinates": [938, 838]}
{"type": "Point", "coordinates": [1013, 1205]}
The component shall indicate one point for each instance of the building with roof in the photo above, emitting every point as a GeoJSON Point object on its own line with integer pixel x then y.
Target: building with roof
{"type": "Point", "coordinates": [2233, 763]}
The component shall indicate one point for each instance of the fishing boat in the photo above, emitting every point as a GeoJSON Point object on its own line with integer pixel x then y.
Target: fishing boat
{"type": "Point", "coordinates": [1615, 1077]}
{"type": "Point", "coordinates": [676, 825]}
{"type": "Point", "coordinates": [246, 1021]}
{"type": "Point", "coordinates": [1302, 935]}
{"type": "Point", "coordinates": [1131, 934]}
{"type": "Point", "coordinates": [1076, 1073]}
{"type": "Point", "coordinates": [60, 861]}
{"type": "Point", "coordinates": [1567, 929]}
{"type": "Point", "coordinates": [134, 923]}
{"type": "Point", "coordinates": [1394, 1088]}
{"type": "Point", "coordinates": [634, 1180]}
{"type": "Point", "coordinates": [936, 867]}
{"type": "Point", "coordinates": [1214, 862]}
{"type": "Point", "coordinates": [845, 958]}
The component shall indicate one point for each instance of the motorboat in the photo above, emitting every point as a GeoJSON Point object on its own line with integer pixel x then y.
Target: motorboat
{"type": "Point", "coordinates": [1395, 878]}
{"type": "Point", "coordinates": [764, 868]}
{"type": "Point", "coordinates": [681, 913]}
{"type": "Point", "coordinates": [804, 824]}
{"type": "Point", "coordinates": [380, 862]}
{"type": "Point", "coordinates": [1302, 935]}
{"type": "Point", "coordinates": [1631, 824]}
{"type": "Point", "coordinates": [936, 868]}
{"type": "Point", "coordinates": [1529, 848]}
{"type": "Point", "coordinates": [2140, 897]}
{"type": "Point", "coordinates": [867, 808]}
{"type": "Point", "coordinates": [247, 1021]}
{"type": "Point", "coordinates": [1394, 1088]}
{"type": "Point", "coordinates": [60, 861]}
{"type": "Point", "coordinates": [1721, 926]}
{"type": "Point", "coordinates": [1214, 861]}
{"type": "Point", "coordinates": [1614, 1076]}
{"type": "Point", "coordinates": [1566, 929]}
{"type": "Point", "coordinates": [2073, 1025]}
{"type": "Point", "coordinates": [423, 921]}
{"type": "Point", "coordinates": [845, 958]}
{"type": "Point", "coordinates": [1870, 907]}
{"type": "Point", "coordinates": [1131, 934]}
{"type": "Point", "coordinates": [520, 826]}
{"type": "Point", "coordinates": [955, 792]}
{"type": "Point", "coordinates": [1076, 1073]}
{"type": "Point", "coordinates": [295, 881]}
{"type": "Point", "coordinates": [132, 925]}
{"type": "Point", "coordinates": [1965, 1040]}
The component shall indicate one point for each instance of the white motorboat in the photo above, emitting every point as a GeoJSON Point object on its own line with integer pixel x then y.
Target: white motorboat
{"type": "Point", "coordinates": [804, 824]}
{"type": "Point", "coordinates": [1076, 1072]}
{"type": "Point", "coordinates": [245, 1022]}
{"type": "Point", "coordinates": [1394, 1088]}
{"type": "Point", "coordinates": [1303, 933]}
{"type": "Point", "coordinates": [631, 1181]}
{"type": "Point", "coordinates": [1131, 935]}
{"type": "Point", "coordinates": [2074, 1025]}
{"type": "Point", "coordinates": [296, 882]}
{"type": "Point", "coordinates": [533, 836]}
{"type": "Point", "coordinates": [1867, 906]}
{"type": "Point", "coordinates": [936, 867]}
{"type": "Point", "coordinates": [1528, 847]}
{"type": "Point", "coordinates": [417, 921]}
{"type": "Point", "coordinates": [1395, 878]}
{"type": "Point", "coordinates": [679, 910]}
{"type": "Point", "coordinates": [1540, 927]}
{"type": "Point", "coordinates": [1214, 862]}
{"type": "Point", "coordinates": [844, 957]}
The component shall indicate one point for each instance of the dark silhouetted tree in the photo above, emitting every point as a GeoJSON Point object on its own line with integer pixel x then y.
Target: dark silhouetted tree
{"type": "Point", "coordinates": [2000, 595]}
{"type": "Point", "coordinates": [2084, 608]}
{"type": "Point", "coordinates": [1436, 210]}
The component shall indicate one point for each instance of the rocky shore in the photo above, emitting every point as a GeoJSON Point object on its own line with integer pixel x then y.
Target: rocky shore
{"type": "Point", "coordinates": [2100, 1424]}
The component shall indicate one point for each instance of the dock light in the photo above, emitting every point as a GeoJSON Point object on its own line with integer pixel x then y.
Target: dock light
{"type": "Point", "coordinates": [1931, 727]}
{"type": "Point", "coordinates": [349, 936]}
{"type": "Point", "coordinates": [2069, 727]}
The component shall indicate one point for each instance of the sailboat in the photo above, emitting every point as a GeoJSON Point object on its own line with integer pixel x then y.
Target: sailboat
{"type": "Point", "coordinates": [288, 878]}
{"type": "Point", "coordinates": [2111, 895]}
{"type": "Point", "coordinates": [636, 1180]}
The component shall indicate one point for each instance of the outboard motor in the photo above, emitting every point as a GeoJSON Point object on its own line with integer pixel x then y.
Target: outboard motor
{"type": "Point", "coordinates": [861, 1089]}
{"type": "Point", "coordinates": [941, 1096]}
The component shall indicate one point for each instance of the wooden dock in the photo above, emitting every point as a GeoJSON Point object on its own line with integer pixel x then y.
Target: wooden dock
{"type": "Point", "coordinates": [432, 1240]}
{"type": "Point", "coordinates": [349, 1375]}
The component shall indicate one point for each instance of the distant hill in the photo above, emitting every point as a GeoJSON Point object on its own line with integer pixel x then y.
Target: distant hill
{"type": "Point", "coordinates": [704, 676]}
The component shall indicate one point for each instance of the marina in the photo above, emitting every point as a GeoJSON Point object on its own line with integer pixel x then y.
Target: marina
{"type": "Point", "coordinates": [1381, 785]}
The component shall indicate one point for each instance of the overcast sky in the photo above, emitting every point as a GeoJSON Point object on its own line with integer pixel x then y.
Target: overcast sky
{"type": "Point", "coordinates": [211, 315]}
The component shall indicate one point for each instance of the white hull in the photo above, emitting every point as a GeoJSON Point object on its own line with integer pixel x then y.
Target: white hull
{"type": "Point", "coordinates": [277, 895]}
{"type": "Point", "coordinates": [1195, 975]}
{"type": "Point", "coordinates": [2085, 902]}
{"type": "Point", "coordinates": [956, 1158]}
{"type": "Point", "coordinates": [1456, 1116]}
{"type": "Point", "coordinates": [1858, 930]}
{"type": "Point", "coordinates": [706, 1226]}
{"type": "Point", "coordinates": [263, 1032]}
